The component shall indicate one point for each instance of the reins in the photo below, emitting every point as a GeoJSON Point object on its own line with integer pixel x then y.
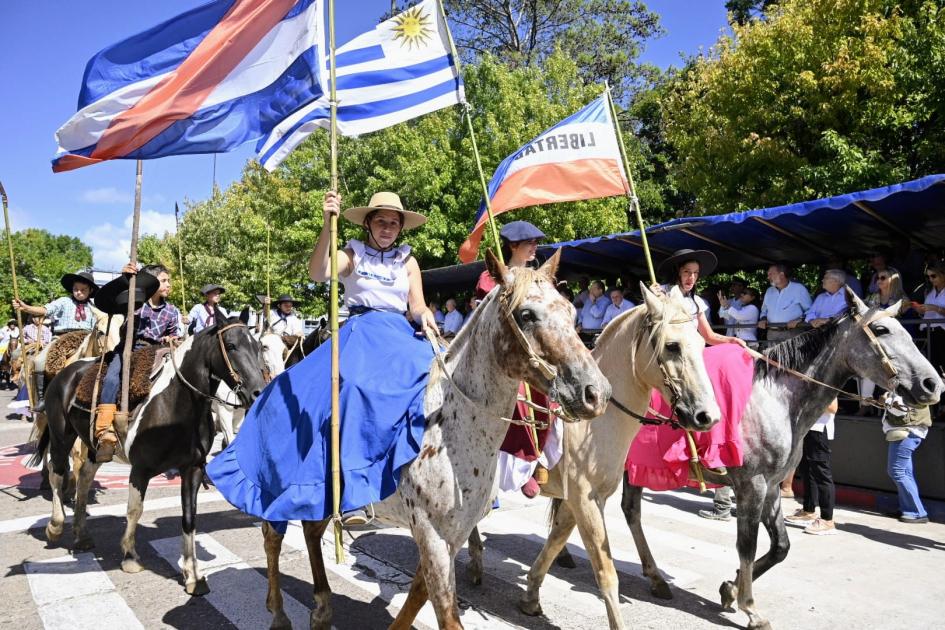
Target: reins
{"type": "Point", "coordinates": [229, 366]}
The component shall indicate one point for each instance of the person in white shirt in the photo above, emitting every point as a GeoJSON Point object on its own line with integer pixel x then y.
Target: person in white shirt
{"type": "Point", "coordinates": [618, 304]}
{"type": "Point", "coordinates": [745, 313]}
{"type": "Point", "coordinates": [735, 288]}
{"type": "Point", "coordinates": [933, 308]}
{"type": "Point", "coordinates": [438, 316]}
{"type": "Point", "coordinates": [283, 320]}
{"type": "Point", "coordinates": [204, 315]}
{"type": "Point", "coordinates": [453, 320]}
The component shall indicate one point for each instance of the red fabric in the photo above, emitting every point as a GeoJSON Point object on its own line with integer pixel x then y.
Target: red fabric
{"type": "Point", "coordinates": [518, 440]}
{"type": "Point", "coordinates": [659, 455]}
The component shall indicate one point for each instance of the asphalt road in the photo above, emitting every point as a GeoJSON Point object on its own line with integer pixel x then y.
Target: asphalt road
{"type": "Point", "coordinates": [875, 573]}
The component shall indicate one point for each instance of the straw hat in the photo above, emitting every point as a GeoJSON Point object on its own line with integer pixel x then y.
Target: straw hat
{"type": "Point", "coordinates": [385, 201]}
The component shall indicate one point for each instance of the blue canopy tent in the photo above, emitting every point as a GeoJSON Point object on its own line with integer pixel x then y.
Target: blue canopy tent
{"type": "Point", "coordinates": [847, 226]}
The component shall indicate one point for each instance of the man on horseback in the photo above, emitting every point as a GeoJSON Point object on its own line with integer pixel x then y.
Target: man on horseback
{"type": "Point", "coordinates": [204, 315]}
{"type": "Point", "coordinates": [156, 324]}
{"type": "Point", "coordinates": [283, 320]}
{"type": "Point", "coordinates": [68, 313]}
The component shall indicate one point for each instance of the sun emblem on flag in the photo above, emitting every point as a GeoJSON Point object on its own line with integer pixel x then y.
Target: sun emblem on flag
{"type": "Point", "coordinates": [412, 28]}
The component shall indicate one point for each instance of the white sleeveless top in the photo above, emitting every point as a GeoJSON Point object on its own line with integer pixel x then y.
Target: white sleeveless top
{"type": "Point", "coordinates": [377, 280]}
{"type": "Point", "coordinates": [694, 304]}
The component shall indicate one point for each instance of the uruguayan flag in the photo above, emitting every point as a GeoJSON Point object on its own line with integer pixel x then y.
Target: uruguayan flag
{"type": "Point", "coordinates": [400, 70]}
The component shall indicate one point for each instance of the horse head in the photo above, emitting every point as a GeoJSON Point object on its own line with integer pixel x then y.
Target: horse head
{"type": "Point", "coordinates": [273, 351]}
{"type": "Point", "coordinates": [540, 343]}
{"type": "Point", "coordinates": [667, 356]}
{"type": "Point", "coordinates": [877, 347]}
{"type": "Point", "coordinates": [232, 355]}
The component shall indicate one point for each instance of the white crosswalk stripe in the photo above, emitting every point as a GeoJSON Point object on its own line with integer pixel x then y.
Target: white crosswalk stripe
{"type": "Point", "coordinates": [72, 591]}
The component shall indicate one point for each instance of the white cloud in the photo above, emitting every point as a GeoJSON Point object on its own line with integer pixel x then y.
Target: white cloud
{"type": "Point", "coordinates": [111, 244]}
{"type": "Point", "coordinates": [109, 194]}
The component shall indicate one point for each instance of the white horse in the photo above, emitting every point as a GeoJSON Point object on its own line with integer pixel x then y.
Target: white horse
{"type": "Point", "coordinates": [521, 331]}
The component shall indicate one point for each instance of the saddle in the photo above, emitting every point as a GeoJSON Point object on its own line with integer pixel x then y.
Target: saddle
{"type": "Point", "coordinates": [145, 366]}
{"type": "Point", "coordinates": [61, 351]}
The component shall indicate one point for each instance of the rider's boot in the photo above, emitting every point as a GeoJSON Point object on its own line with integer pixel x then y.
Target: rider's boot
{"type": "Point", "coordinates": [39, 382]}
{"type": "Point", "coordinates": [105, 437]}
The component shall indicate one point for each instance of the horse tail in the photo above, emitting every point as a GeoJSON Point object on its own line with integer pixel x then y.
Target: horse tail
{"type": "Point", "coordinates": [42, 445]}
{"type": "Point", "coordinates": [553, 512]}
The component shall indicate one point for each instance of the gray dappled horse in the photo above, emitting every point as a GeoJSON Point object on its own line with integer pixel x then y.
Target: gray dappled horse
{"type": "Point", "coordinates": [522, 330]}
{"type": "Point", "coordinates": [171, 428]}
{"type": "Point", "coordinates": [867, 343]}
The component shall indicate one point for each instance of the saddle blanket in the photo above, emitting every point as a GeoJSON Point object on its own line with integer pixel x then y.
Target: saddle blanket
{"type": "Point", "coordinates": [658, 458]}
{"type": "Point", "coordinates": [142, 372]}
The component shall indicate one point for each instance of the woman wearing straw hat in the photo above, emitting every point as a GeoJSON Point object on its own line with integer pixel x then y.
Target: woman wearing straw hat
{"type": "Point", "coordinates": [277, 468]}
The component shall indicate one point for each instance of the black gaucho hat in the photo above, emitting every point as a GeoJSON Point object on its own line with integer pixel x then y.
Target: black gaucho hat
{"type": "Point", "coordinates": [706, 259]}
{"type": "Point", "coordinates": [113, 297]}
{"type": "Point", "coordinates": [80, 276]}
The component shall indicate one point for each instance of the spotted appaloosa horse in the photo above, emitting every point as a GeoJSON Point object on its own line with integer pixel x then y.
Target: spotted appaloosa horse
{"type": "Point", "coordinates": [863, 342]}
{"type": "Point", "coordinates": [170, 429]}
{"type": "Point", "coordinates": [523, 330]}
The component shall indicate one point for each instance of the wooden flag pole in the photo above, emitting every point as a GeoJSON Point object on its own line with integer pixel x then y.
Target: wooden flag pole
{"type": "Point", "coordinates": [130, 315]}
{"type": "Point", "coordinates": [16, 289]}
{"type": "Point", "coordinates": [635, 206]}
{"type": "Point", "coordinates": [180, 259]}
{"type": "Point", "coordinates": [333, 302]}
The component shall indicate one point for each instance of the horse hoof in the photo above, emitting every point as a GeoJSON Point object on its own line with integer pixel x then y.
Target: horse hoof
{"type": "Point", "coordinates": [475, 575]}
{"type": "Point", "coordinates": [280, 621]}
{"type": "Point", "coordinates": [759, 625]}
{"type": "Point", "coordinates": [131, 565]}
{"type": "Point", "coordinates": [532, 608]}
{"type": "Point", "coordinates": [565, 560]}
{"type": "Point", "coordinates": [320, 620]}
{"type": "Point", "coordinates": [198, 588]}
{"type": "Point", "coordinates": [53, 532]}
{"type": "Point", "coordinates": [728, 593]}
{"type": "Point", "coordinates": [84, 543]}
{"type": "Point", "coordinates": [660, 590]}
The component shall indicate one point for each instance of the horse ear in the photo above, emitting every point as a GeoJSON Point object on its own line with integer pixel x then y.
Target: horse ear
{"type": "Point", "coordinates": [218, 315]}
{"type": "Point", "coordinates": [894, 309]}
{"type": "Point", "coordinates": [654, 305]}
{"type": "Point", "coordinates": [244, 315]}
{"type": "Point", "coordinates": [854, 302]}
{"type": "Point", "coordinates": [497, 269]}
{"type": "Point", "coordinates": [550, 268]}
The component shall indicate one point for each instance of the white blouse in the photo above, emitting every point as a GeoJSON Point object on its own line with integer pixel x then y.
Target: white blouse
{"type": "Point", "coordinates": [694, 304]}
{"type": "Point", "coordinates": [378, 280]}
{"type": "Point", "coordinates": [938, 299]}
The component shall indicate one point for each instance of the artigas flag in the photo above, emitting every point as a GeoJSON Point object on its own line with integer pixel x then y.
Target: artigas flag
{"type": "Point", "coordinates": [402, 68]}
{"type": "Point", "coordinates": [206, 81]}
{"type": "Point", "coordinates": [579, 158]}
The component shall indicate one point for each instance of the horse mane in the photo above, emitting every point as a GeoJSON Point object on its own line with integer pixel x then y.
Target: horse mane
{"type": "Point", "coordinates": [797, 353]}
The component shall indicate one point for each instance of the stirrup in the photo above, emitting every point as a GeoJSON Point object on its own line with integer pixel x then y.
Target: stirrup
{"type": "Point", "coordinates": [105, 450]}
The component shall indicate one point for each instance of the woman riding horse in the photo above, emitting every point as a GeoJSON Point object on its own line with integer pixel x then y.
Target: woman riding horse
{"type": "Point", "coordinates": [269, 468]}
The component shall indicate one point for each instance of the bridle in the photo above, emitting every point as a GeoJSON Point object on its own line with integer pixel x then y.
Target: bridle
{"type": "Point", "coordinates": [237, 380]}
{"type": "Point", "coordinates": [673, 385]}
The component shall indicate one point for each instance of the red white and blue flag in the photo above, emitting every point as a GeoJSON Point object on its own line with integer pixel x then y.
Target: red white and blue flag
{"type": "Point", "coordinates": [206, 81]}
{"type": "Point", "coordinates": [579, 158]}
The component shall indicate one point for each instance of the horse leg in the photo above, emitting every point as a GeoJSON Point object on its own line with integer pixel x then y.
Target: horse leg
{"type": "Point", "coordinates": [57, 467]}
{"type": "Point", "coordinates": [773, 522]}
{"type": "Point", "coordinates": [589, 515]}
{"type": "Point", "coordinates": [83, 542]}
{"type": "Point", "coordinates": [562, 524]}
{"type": "Point", "coordinates": [272, 542]}
{"type": "Point", "coordinates": [750, 500]}
{"type": "Point", "coordinates": [475, 557]}
{"type": "Point", "coordinates": [416, 598]}
{"type": "Point", "coordinates": [137, 488]}
{"type": "Point", "coordinates": [190, 478]}
{"type": "Point", "coordinates": [79, 453]}
{"type": "Point", "coordinates": [631, 505]}
{"type": "Point", "coordinates": [438, 571]}
{"type": "Point", "coordinates": [320, 619]}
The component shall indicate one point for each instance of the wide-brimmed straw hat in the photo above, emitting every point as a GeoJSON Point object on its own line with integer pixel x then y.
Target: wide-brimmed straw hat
{"type": "Point", "coordinates": [706, 259]}
{"type": "Point", "coordinates": [113, 297]}
{"type": "Point", "coordinates": [80, 276]}
{"type": "Point", "coordinates": [385, 201]}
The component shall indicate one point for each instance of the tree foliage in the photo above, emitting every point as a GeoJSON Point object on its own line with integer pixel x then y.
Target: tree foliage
{"type": "Point", "coordinates": [822, 97]}
{"type": "Point", "coordinates": [743, 11]}
{"type": "Point", "coordinates": [42, 259]}
{"type": "Point", "coordinates": [603, 37]}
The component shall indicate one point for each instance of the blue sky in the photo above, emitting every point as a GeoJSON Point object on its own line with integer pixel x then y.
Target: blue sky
{"type": "Point", "coordinates": [44, 46]}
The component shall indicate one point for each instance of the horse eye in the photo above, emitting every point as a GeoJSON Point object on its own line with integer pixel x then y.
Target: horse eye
{"type": "Point", "coordinates": [527, 315]}
{"type": "Point", "coordinates": [673, 346]}
{"type": "Point", "coordinates": [880, 330]}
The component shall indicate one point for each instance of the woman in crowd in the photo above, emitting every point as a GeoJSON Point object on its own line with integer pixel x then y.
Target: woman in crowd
{"type": "Point", "coordinates": [890, 291]}
{"type": "Point", "coordinates": [905, 431]}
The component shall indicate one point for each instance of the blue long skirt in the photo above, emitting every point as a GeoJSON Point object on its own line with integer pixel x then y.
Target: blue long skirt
{"type": "Point", "coordinates": [279, 466]}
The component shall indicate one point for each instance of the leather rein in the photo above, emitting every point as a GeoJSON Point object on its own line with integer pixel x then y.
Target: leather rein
{"type": "Point", "coordinates": [229, 366]}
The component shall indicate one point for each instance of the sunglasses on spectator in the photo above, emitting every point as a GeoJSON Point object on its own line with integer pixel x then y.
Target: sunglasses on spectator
{"type": "Point", "coordinates": [882, 277]}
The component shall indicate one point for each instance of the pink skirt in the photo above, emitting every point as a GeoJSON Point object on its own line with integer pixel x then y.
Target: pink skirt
{"type": "Point", "coordinates": [659, 455]}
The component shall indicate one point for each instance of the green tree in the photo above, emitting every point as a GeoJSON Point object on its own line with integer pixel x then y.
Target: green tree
{"type": "Point", "coordinates": [742, 11]}
{"type": "Point", "coordinates": [604, 37]}
{"type": "Point", "coordinates": [820, 98]}
{"type": "Point", "coordinates": [42, 259]}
